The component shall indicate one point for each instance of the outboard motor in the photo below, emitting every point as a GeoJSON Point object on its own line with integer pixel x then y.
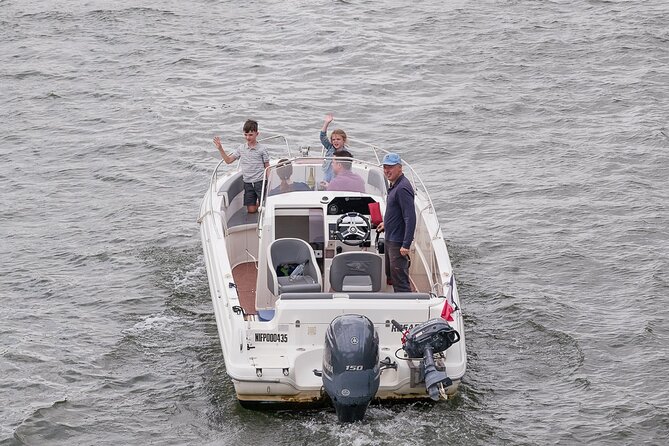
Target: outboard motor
{"type": "Point", "coordinates": [351, 370]}
{"type": "Point", "coordinates": [435, 335]}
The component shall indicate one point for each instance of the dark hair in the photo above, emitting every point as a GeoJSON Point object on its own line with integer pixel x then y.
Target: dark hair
{"type": "Point", "coordinates": [344, 154]}
{"type": "Point", "coordinates": [284, 169]}
{"type": "Point", "coordinates": [250, 126]}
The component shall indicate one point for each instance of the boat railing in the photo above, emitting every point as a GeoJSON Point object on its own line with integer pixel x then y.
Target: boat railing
{"type": "Point", "coordinates": [213, 184]}
{"type": "Point", "coordinates": [261, 140]}
{"type": "Point", "coordinates": [428, 254]}
{"type": "Point", "coordinates": [375, 150]}
{"type": "Point", "coordinates": [412, 175]}
{"type": "Point", "coordinates": [212, 194]}
{"type": "Point", "coordinates": [360, 157]}
{"type": "Point", "coordinates": [379, 152]}
{"type": "Point", "coordinates": [305, 174]}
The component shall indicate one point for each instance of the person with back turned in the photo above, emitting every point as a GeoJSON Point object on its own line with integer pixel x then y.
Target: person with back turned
{"type": "Point", "coordinates": [284, 170]}
{"type": "Point", "coordinates": [345, 179]}
{"type": "Point", "coordinates": [399, 223]}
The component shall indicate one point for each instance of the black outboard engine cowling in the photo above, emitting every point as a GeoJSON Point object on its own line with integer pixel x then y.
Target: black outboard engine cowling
{"type": "Point", "coordinates": [422, 341]}
{"type": "Point", "coordinates": [351, 370]}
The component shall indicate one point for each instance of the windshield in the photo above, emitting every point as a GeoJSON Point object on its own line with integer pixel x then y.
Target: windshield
{"type": "Point", "coordinates": [321, 174]}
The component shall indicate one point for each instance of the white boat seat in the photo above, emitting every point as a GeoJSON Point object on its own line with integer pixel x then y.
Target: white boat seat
{"type": "Point", "coordinates": [356, 271]}
{"type": "Point", "coordinates": [283, 256]}
{"type": "Point", "coordinates": [302, 284]}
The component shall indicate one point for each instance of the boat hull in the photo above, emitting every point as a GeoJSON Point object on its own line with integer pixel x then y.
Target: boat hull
{"type": "Point", "coordinates": [273, 343]}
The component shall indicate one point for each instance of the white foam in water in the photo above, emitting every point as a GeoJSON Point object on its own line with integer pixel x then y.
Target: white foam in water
{"type": "Point", "coordinates": [195, 274]}
{"type": "Point", "coordinates": [154, 323]}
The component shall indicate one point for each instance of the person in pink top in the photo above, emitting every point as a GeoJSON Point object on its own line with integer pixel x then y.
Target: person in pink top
{"type": "Point", "coordinates": [345, 179]}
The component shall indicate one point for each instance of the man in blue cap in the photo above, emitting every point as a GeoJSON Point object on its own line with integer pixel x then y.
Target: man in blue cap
{"type": "Point", "coordinates": [399, 223]}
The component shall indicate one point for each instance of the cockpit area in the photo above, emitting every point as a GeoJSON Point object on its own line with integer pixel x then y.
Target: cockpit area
{"type": "Point", "coordinates": [298, 205]}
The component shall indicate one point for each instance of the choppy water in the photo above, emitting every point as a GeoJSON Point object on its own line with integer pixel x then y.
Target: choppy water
{"type": "Point", "coordinates": [539, 126]}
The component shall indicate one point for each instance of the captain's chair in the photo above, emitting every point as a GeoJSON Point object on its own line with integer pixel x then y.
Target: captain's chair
{"type": "Point", "coordinates": [356, 271]}
{"type": "Point", "coordinates": [283, 256]}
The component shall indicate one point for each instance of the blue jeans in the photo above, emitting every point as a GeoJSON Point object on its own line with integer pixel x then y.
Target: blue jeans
{"type": "Point", "coordinates": [397, 267]}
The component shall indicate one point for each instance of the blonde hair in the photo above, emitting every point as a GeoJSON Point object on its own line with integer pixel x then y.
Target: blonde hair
{"type": "Point", "coordinates": [339, 132]}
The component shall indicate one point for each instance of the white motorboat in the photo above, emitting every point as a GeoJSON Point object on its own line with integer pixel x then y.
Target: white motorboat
{"type": "Point", "coordinates": [304, 311]}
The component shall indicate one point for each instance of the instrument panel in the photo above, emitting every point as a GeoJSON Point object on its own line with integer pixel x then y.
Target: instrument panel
{"type": "Point", "coordinates": [343, 205]}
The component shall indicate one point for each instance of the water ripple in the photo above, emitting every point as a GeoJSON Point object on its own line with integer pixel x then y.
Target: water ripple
{"type": "Point", "coordinates": [539, 128]}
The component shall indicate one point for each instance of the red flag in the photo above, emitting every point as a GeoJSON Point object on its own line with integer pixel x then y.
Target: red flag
{"type": "Point", "coordinates": [446, 311]}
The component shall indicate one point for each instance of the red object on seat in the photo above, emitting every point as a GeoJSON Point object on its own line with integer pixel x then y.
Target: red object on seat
{"type": "Point", "coordinates": [375, 213]}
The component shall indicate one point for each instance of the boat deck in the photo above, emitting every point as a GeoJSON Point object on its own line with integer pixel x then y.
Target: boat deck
{"type": "Point", "coordinates": [245, 275]}
{"type": "Point", "coordinates": [242, 217]}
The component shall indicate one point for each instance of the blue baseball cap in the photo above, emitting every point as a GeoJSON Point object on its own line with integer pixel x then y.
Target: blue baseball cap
{"type": "Point", "coordinates": [391, 159]}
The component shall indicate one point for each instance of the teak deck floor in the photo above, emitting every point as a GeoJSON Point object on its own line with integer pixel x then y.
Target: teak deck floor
{"type": "Point", "coordinates": [245, 275]}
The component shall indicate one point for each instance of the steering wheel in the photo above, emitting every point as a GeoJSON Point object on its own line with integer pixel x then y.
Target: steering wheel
{"type": "Point", "coordinates": [353, 229]}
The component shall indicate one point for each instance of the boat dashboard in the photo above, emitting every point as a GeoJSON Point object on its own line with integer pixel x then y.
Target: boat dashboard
{"type": "Point", "coordinates": [301, 202]}
{"type": "Point", "coordinates": [335, 225]}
